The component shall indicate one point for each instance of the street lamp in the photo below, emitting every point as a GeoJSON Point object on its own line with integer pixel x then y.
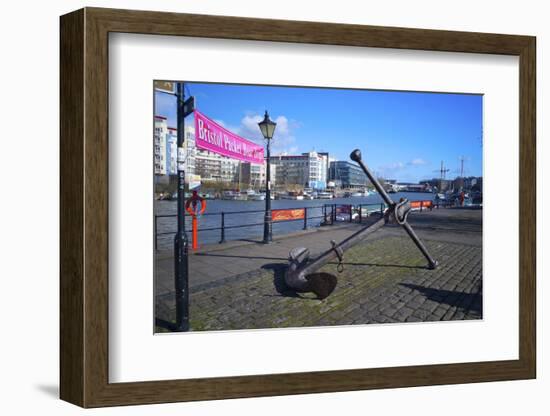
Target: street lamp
{"type": "Point", "coordinates": [267, 127]}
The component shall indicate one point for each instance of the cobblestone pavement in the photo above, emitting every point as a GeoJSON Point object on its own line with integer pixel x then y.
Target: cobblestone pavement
{"type": "Point", "coordinates": [219, 261]}
{"type": "Point", "coordinates": [385, 280]}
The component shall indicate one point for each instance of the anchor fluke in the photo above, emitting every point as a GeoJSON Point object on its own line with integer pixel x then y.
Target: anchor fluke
{"type": "Point", "coordinates": [322, 284]}
{"type": "Point", "coordinates": [297, 260]}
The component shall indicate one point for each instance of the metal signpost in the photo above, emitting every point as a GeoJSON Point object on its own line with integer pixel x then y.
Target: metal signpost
{"type": "Point", "coordinates": [181, 244]}
{"type": "Point", "coordinates": [167, 87]}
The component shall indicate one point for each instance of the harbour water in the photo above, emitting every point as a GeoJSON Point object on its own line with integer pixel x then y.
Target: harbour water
{"type": "Point", "coordinates": [237, 213]}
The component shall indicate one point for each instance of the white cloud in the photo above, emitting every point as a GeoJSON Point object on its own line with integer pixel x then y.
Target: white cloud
{"type": "Point", "coordinates": [391, 169]}
{"type": "Point", "coordinates": [249, 128]}
{"type": "Point", "coordinates": [283, 140]}
{"type": "Point", "coordinates": [293, 149]}
{"type": "Point", "coordinates": [417, 162]}
{"type": "Point", "coordinates": [392, 166]}
{"type": "Point", "coordinates": [403, 171]}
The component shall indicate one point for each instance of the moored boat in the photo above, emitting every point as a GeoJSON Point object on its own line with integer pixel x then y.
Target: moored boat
{"type": "Point", "coordinates": [234, 196]}
{"type": "Point", "coordinates": [256, 196]}
{"type": "Point", "coordinates": [292, 195]}
{"type": "Point", "coordinates": [324, 195]}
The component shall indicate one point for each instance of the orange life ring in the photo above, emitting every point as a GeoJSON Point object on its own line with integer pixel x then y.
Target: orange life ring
{"type": "Point", "coordinates": [190, 210]}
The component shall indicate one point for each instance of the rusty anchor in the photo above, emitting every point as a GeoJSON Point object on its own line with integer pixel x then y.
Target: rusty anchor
{"type": "Point", "coordinates": [301, 274]}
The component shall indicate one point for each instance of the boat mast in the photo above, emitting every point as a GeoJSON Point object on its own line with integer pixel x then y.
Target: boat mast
{"type": "Point", "coordinates": [442, 172]}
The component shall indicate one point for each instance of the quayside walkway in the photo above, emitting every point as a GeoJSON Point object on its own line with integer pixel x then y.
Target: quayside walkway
{"type": "Point", "coordinates": [240, 284]}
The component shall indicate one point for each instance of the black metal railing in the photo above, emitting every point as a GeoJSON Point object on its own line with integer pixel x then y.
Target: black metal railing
{"type": "Point", "coordinates": [330, 214]}
{"type": "Point", "coordinates": [223, 227]}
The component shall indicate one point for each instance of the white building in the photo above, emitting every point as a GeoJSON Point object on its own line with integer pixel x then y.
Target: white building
{"type": "Point", "coordinates": [308, 169]}
{"type": "Point", "coordinates": [214, 167]}
{"type": "Point", "coordinates": [172, 151]}
{"type": "Point", "coordinates": [254, 175]}
{"type": "Point", "coordinates": [272, 174]}
{"type": "Point", "coordinates": [318, 167]}
{"type": "Point", "coordinates": [160, 132]}
{"type": "Point", "coordinates": [165, 148]}
{"type": "Point", "coordinates": [190, 150]}
{"type": "Point", "coordinates": [208, 165]}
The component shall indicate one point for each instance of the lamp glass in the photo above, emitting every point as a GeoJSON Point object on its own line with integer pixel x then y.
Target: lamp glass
{"type": "Point", "coordinates": [267, 127]}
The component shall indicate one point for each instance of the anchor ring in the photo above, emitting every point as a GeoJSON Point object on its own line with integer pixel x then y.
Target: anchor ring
{"type": "Point", "coordinates": [402, 210]}
{"type": "Point", "coordinates": [340, 254]}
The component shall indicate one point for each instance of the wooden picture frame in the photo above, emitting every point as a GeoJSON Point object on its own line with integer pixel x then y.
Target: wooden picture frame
{"type": "Point", "coordinates": [84, 207]}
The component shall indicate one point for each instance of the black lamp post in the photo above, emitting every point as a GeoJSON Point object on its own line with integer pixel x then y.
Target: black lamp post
{"type": "Point", "coordinates": [267, 127]}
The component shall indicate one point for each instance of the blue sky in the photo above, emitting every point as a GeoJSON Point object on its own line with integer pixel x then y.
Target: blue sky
{"type": "Point", "coordinates": [402, 135]}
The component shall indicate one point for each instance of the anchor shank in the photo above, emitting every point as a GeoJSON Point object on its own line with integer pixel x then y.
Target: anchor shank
{"type": "Point", "coordinates": [356, 156]}
{"type": "Point", "coordinates": [349, 242]}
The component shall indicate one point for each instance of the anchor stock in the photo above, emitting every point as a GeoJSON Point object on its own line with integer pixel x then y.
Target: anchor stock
{"type": "Point", "coordinates": [402, 220]}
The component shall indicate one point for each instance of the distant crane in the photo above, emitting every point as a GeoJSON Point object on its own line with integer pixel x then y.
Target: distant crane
{"type": "Point", "coordinates": [462, 159]}
{"type": "Point", "coordinates": [462, 171]}
{"type": "Point", "coordinates": [443, 171]}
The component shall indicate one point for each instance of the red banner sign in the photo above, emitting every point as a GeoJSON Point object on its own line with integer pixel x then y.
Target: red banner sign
{"type": "Point", "coordinates": [211, 136]}
{"type": "Point", "coordinates": [287, 214]}
{"type": "Point", "coordinates": [423, 204]}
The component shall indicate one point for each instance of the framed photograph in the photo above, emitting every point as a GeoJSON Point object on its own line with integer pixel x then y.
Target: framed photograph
{"type": "Point", "coordinates": [254, 207]}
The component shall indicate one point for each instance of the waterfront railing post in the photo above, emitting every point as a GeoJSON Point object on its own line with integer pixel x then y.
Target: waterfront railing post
{"type": "Point", "coordinates": [350, 213]}
{"type": "Point", "coordinates": [222, 237]}
{"type": "Point", "coordinates": [305, 218]}
{"type": "Point", "coordinates": [382, 208]}
{"type": "Point", "coordinates": [360, 214]}
{"type": "Point", "coordinates": [421, 203]}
